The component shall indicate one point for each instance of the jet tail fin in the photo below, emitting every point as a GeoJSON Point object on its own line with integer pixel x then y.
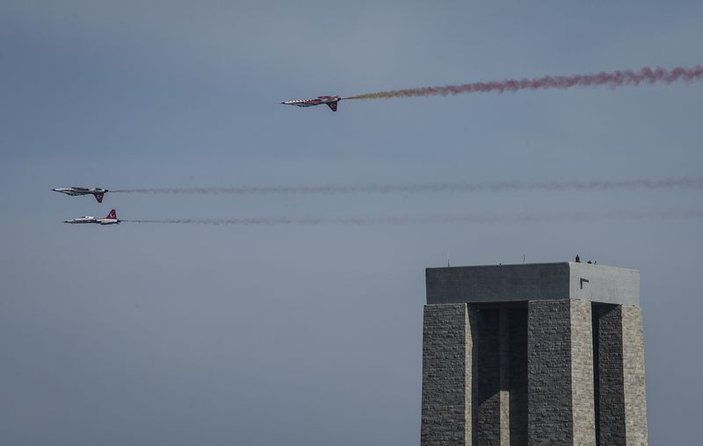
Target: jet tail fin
{"type": "Point", "coordinates": [332, 106]}
{"type": "Point", "coordinates": [112, 215]}
{"type": "Point", "coordinates": [99, 196]}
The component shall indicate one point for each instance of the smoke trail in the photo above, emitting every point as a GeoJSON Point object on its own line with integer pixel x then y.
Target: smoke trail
{"type": "Point", "coordinates": [506, 186]}
{"type": "Point", "coordinates": [612, 79]}
{"type": "Point", "coordinates": [476, 219]}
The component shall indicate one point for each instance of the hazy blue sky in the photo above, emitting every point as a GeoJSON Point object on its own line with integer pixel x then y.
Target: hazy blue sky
{"type": "Point", "coordinates": [306, 335]}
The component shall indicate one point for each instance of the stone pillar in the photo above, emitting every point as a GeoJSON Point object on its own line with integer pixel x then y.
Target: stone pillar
{"type": "Point", "coordinates": [446, 376]}
{"type": "Point", "coordinates": [620, 388]}
{"type": "Point", "coordinates": [633, 372]}
{"type": "Point", "coordinates": [560, 373]}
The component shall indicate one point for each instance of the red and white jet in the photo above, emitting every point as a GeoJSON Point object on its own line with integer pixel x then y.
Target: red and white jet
{"type": "Point", "coordinates": [111, 219]}
{"type": "Point", "coordinates": [97, 192]}
{"type": "Point", "coordinates": [331, 102]}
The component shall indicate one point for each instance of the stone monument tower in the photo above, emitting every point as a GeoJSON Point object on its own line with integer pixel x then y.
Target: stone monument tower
{"type": "Point", "coordinates": [533, 354]}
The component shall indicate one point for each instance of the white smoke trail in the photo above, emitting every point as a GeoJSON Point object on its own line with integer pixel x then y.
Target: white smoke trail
{"type": "Point", "coordinates": [477, 219]}
{"type": "Point", "coordinates": [457, 187]}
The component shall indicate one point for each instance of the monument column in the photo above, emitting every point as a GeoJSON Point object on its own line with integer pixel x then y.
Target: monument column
{"type": "Point", "coordinates": [446, 376]}
{"type": "Point", "coordinates": [560, 373]}
{"type": "Point", "coordinates": [533, 354]}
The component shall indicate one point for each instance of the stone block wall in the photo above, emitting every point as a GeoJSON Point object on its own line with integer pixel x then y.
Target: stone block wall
{"type": "Point", "coordinates": [634, 381]}
{"type": "Point", "coordinates": [446, 376]}
{"type": "Point", "coordinates": [560, 373]}
{"type": "Point", "coordinates": [544, 372]}
{"type": "Point", "coordinates": [549, 373]}
{"type": "Point", "coordinates": [582, 385]}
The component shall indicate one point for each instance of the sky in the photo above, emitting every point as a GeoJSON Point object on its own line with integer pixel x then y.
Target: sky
{"type": "Point", "coordinates": [312, 334]}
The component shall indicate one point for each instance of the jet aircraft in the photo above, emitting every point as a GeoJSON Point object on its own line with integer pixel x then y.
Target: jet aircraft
{"type": "Point", "coordinates": [97, 192]}
{"type": "Point", "coordinates": [111, 219]}
{"type": "Point", "coordinates": [331, 102]}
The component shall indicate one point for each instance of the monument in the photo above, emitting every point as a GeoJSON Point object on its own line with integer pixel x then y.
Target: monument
{"type": "Point", "coordinates": [533, 354]}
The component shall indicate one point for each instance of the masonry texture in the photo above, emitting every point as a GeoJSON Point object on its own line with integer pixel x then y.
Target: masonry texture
{"type": "Point", "coordinates": [550, 398]}
{"type": "Point", "coordinates": [609, 381]}
{"type": "Point", "coordinates": [634, 383]}
{"type": "Point", "coordinates": [537, 354]}
{"type": "Point", "coordinates": [446, 380]}
{"type": "Point", "coordinates": [582, 390]}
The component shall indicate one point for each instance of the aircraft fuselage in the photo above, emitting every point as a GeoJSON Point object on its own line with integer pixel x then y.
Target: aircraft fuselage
{"type": "Point", "coordinates": [110, 219]}
{"type": "Point", "coordinates": [97, 192]}
{"type": "Point", "coordinates": [331, 102]}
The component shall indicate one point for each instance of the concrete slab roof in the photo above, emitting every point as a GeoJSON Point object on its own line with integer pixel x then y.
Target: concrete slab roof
{"type": "Point", "coordinates": [533, 281]}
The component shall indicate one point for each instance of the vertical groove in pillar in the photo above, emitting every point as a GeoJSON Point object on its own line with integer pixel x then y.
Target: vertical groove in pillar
{"type": "Point", "coordinates": [446, 380]}
{"type": "Point", "coordinates": [634, 382]}
{"type": "Point", "coordinates": [487, 405]}
{"type": "Point", "coordinates": [504, 367]}
{"type": "Point", "coordinates": [608, 374]}
{"type": "Point", "coordinates": [518, 376]}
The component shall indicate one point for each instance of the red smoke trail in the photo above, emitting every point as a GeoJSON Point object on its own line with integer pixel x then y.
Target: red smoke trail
{"type": "Point", "coordinates": [524, 218]}
{"type": "Point", "coordinates": [458, 187]}
{"type": "Point", "coordinates": [612, 79]}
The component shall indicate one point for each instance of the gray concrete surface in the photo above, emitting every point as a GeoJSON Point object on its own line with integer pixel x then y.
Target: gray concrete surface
{"type": "Point", "coordinates": [536, 281]}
